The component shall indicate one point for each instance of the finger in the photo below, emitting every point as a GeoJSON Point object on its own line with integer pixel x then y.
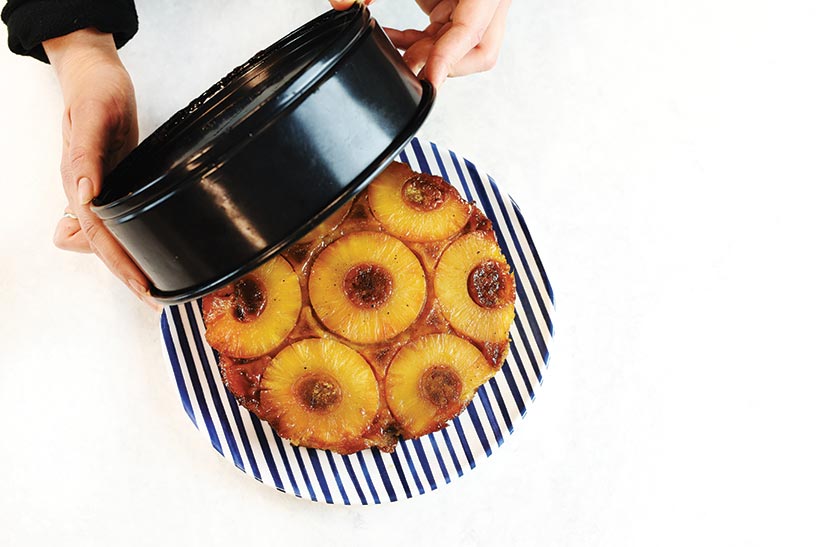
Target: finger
{"type": "Point", "coordinates": [90, 133]}
{"type": "Point", "coordinates": [113, 255]}
{"type": "Point", "coordinates": [403, 39]}
{"type": "Point", "coordinates": [435, 29]}
{"type": "Point", "coordinates": [68, 236]}
{"type": "Point", "coordinates": [416, 55]}
{"type": "Point", "coordinates": [69, 185]}
{"type": "Point", "coordinates": [443, 11]}
{"type": "Point", "coordinates": [484, 56]}
{"type": "Point", "coordinates": [470, 19]}
{"type": "Point", "coordinates": [427, 6]}
{"type": "Point", "coordinates": [344, 4]}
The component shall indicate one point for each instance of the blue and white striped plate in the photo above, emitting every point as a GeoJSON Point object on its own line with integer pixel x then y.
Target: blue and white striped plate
{"type": "Point", "coordinates": [417, 466]}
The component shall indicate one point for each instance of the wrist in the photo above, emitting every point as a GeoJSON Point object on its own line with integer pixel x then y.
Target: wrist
{"type": "Point", "coordinates": [83, 45]}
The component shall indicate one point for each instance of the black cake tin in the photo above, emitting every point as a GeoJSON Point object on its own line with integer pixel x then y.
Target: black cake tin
{"type": "Point", "coordinates": [264, 155]}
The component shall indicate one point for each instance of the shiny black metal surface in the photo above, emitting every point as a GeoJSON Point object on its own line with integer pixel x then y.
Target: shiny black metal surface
{"type": "Point", "coordinates": [263, 156]}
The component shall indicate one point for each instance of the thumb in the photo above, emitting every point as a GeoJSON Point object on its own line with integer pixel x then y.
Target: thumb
{"type": "Point", "coordinates": [344, 4]}
{"type": "Point", "coordinates": [90, 132]}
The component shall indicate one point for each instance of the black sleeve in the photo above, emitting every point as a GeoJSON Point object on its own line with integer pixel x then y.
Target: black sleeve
{"type": "Point", "coordinates": [31, 22]}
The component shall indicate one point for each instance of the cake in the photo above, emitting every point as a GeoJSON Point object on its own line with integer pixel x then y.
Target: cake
{"type": "Point", "coordinates": [379, 324]}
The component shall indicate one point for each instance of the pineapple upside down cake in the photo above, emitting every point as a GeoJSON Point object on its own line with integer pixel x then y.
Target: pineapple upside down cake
{"type": "Point", "coordinates": [380, 323]}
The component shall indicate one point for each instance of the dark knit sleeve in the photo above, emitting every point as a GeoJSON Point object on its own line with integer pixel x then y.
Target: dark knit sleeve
{"type": "Point", "coordinates": [30, 22]}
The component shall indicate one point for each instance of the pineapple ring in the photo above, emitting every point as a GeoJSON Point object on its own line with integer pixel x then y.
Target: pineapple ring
{"type": "Point", "coordinates": [367, 287]}
{"type": "Point", "coordinates": [257, 314]}
{"type": "Point", "coordinates": [486, 317]}
{"type": "Point", "coordinates": [416, 207]}
{"type": "Point", "coordinates": [430, 381]}
{"type": "Point", "coordinates": [320, 393]}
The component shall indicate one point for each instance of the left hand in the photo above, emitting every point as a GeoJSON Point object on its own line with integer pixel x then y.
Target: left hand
{"type": "Point", "coordinates": [99, 129]}
{"type": "Point", "coordinates": [463, 37]}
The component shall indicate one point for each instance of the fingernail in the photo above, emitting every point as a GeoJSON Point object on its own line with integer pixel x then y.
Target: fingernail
{"type": "Point", "coordinates": [84, 191]}
{"type": "Point", "coordinates": [144, 295]}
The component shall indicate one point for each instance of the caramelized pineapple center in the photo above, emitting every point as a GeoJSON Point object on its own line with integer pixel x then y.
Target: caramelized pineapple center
{"type": "Point", "coordinates": [249, 299]}
{"type": "Point", "coordinates": [423, 192]}
{"type": "Point", "coordinates": [318, 392]}
{"type": "Point", "coordinates": [368, 285]}
{"type": "Point", "coordinates": [490, 285]}
{"type": "Point", "coordinates": [440, 385]}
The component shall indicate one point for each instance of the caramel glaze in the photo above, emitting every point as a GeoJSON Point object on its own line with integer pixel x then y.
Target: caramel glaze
{"type": "Point", "coordinates": [299, 251]}
{"type": "Point", "coordinates": [368, 285]}
{"type": "Point", "coordinates": [318, 393]}
{"type": "Point", "coordinates": [425, 192]}
{"type": "Point", "coordinates": [490, 284]}
{"type": "Point", "coordinates": [244, 378]}
{"type": "Point", "coordinates": [249, 299]}
{"type": "Point", "coordinates": [440, 385]}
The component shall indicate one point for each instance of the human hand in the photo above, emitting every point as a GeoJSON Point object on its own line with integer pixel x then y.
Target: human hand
{"type": "Point", "coordinates": [99, 129]}
{"type": "Point", "coordinates": [463, 37]}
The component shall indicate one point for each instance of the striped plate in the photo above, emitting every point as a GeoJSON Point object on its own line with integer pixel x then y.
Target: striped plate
{"type": "Point", "coordinates": [416, 466]}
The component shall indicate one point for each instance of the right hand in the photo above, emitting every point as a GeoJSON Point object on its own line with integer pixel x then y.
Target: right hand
{"type": "Point", "coordinates": [463, 37]}
{"type": "Point", "coordinates": [99, 129]}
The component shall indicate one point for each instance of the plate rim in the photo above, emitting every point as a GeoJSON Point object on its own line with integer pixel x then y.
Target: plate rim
{"type": "Point", "coordinates": [423, 456]}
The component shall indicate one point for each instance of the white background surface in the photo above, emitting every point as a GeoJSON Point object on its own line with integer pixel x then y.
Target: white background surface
{"type": "Point", "coordinates": [666, 157]}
